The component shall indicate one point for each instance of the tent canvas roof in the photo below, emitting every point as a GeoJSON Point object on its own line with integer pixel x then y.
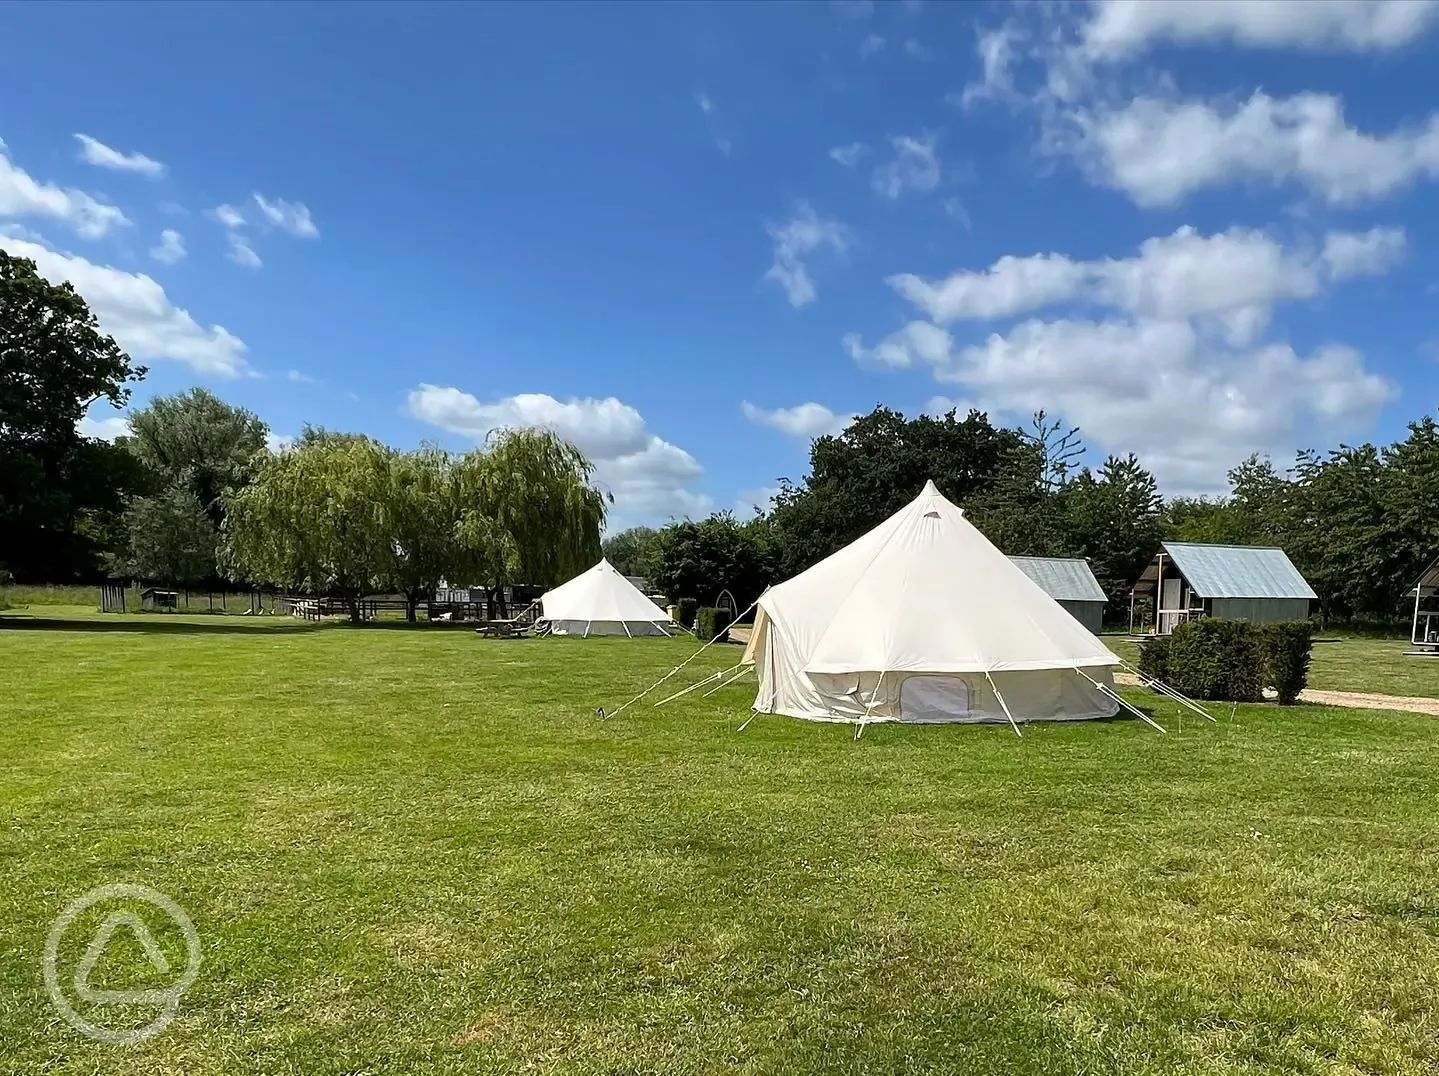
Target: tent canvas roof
{"type": "Point", "coordinates": [925, 591]}
{"type": "Point", "coordinates": [1233, 571]}
{"type": "Point", "coordinates": [601, 594]}
{"type": "Point", "coordinates": [1065, 579]}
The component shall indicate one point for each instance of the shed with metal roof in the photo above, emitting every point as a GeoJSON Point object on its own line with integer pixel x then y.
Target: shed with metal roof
{"type": "Point", "coordinates": [1070, 582]}
{"type": "Point", "coordinates": [1234, 582]}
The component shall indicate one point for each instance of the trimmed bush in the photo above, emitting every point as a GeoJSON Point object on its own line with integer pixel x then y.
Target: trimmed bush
{"type": "Point", "coordinates": [1154, 657]}
{"type": "Point", "coordinates": [712, 623]}
{"type": "Point", "coordinates": [1219, 660]}
{"type": "Point", "coordinates": [1286, 647]}
{"type": "Point", "coordinates": [688, 606]}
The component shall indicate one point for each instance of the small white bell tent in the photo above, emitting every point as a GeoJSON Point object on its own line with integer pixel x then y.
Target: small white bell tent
{"type": "Point", "coordinates": [923, 619]}
{"type": "Point", "coordinates": [601, 601]}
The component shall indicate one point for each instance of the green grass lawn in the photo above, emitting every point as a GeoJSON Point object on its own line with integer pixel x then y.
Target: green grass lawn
{"type": "Point", "coordinates": [1350, 664]}
{"type": "Point", "coordinates": [415, 851]}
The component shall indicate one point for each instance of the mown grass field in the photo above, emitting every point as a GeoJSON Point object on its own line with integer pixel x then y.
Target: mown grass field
{"type": "Point", "coordinates": [414, 851]}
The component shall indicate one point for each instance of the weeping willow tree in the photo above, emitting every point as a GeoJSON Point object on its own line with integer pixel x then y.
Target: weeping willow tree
{"type": "Point", "coordinates": [319, 519]}
{"type": "Point", "coordinates": [345, 516]}
{"type": "Point", "coordinates": [531, 512]}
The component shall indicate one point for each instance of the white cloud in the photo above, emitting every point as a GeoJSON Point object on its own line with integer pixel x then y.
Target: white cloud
{"type": "Point", "coordinates": [229, 216]}
{"type": "Point", "coordinates": [1191, 407]}
{"type": "Point", "coordinates": [135, 310]}
{"type": "Point", "coordinates": [171, 247]}
{"type": "Point", "coordinates": [806, 420]}
{"type": "Point", "coordinates": [23, 196]}
{"type": "Point", "coordinates": [938, 406]}
{"type": "Point", "coordinates": [870, 45]}
{"type": "Point", "coordinates": [849, 155]}
{"type": "Point", "coordinates": [997, 58]}
{"type": "Point", "coordinates": [292, 217]}
{"type": "Point", "coordinates": [955, 208]}
{"type": "Point", "coordinates": [751, 502]}
{"type": "Point", "coordinates": [1233, 277]}
{"type": "Point", "coordinates": [103, 429]}
{"type": "Point", "coordinates": [648, 476]}
{"type": "Point", "coordinates": [917, 51]}
{"type": "Point", "coordinates": [1121, 28]}
{"type": "Point", "coordinates": [712, 122]}
{"type": "Point", "coordinates": [93, 151]}
{"type": "Point", "coordinates": [804, 234]}
{"type": "Point", "coordinates": [241, 253]}
{"type": "Point", "coordinates": [1159, 150]}
{"type": "Point", "coordinates": [915, 167]}
{"type": "Point", "coordinates": [299, 377]}
{"type": "Point", "coordinates": [1370, 253]}
{"type": "Point", "coordinates": [278, 442]}
{"type": "Point", "coordinates": [917, 343]}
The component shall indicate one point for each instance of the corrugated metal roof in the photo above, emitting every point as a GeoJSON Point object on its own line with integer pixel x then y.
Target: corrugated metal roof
{"type": "Point", "coordinates": [1238, 571]}
{"type": "Point", "coordinates": [1065, 579]}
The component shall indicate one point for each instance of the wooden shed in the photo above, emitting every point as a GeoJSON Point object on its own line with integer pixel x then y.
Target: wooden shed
{"type": "Point", "coordinates": [1070, 582]}
{"type": "Point", "coordinates": [1232, 582]}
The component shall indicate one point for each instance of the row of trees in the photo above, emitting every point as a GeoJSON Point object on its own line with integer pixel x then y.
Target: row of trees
{"type": "Point", "coordinates": [1360, 523]}
{"type": "Point", "coordinates": [345, 515]}
{"type": "Point", "coordinates": [1020, 487]}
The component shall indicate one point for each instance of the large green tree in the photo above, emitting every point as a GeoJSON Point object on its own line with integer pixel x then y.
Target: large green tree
{"type": "Point", "coordinates": [54, 363]}
{"type": "Point", "coordinates": [699, 559]}
{"type": "Point", "coordinates": [197, 439]}
{"type": "Point", "coordinates": [632, 551]}
{"type": "Point", "coordinates": [168, 539]}
{"type": "Point", "coordinates": [317, 519]}
{"type": "Point", "coordinates": [882, 460]}
{"type": "Point", "coordinates": [1112, 517]}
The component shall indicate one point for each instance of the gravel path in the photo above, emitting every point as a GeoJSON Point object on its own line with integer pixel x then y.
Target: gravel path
{"type": "Point", "coordinates": [1361, 699]}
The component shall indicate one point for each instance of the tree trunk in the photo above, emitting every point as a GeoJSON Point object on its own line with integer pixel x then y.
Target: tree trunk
{"type": "Point", "coordinates": [352, 603]}
{"type": "Point", "coordinates": [411, 601]}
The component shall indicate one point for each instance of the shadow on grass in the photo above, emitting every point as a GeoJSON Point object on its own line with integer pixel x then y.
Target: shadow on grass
{"type": "Point", "coordinates": [160, 625]}
{"type": "Point", "coordinates": [173, 624]}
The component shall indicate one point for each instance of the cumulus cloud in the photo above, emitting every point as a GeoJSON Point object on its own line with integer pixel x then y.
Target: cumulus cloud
{"type": "Point", "coordinates": [23, 196]}
{"type": "Point", "coordinates": [1370, 253]}
{"type": "Point", "coordinates": [171, 247]}
{"type": "Point", "coordinates": [806, 420]}
{"type": "Point", "coordinates": [1233, 277]}
{"type": "Point", "coordinates": [804, 234]}
{"type": "Point", "coordinates": [135, 310]}
{"type": "Point", "coordinates": [242, 253]}
{"type": "Point", "coordinates": [849, 155]}
{"type": "Point", "coordinates": [1190, 406]}
{"type": "Point", "coordinates": [103, 429]}
{"type": "Point", "coordinates": [914, 166]}
{"type": "Point", "coordinates": [93, 151]}
{"type": "Point", "coordinates": [292, 217]}
{"type": "Point", "coordinates": [648, 476]}
{"type": "Point", "coordinates": [1121, 28]}
{"type": "Point", "coordinates": [1160, 150]}
{"type": "Point", "coordinates": [918, 343]}
{"type": "Point", "coordinates": [229, 216]}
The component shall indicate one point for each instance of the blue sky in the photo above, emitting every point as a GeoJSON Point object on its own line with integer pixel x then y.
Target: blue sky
{"type": "Point", "coordinates": [691, 237]}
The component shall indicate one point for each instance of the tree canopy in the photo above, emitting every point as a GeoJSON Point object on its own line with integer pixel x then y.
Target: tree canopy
{"type": "Point", "coordinates": [345, 516]}
{"type": "Point", "coordinates": [60, 493]}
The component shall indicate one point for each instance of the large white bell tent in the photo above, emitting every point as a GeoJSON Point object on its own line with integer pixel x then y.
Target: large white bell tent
{"type": "Point", "coordinates": [923, 619]}
{"type": "Point", "coordinates": [601, 601]}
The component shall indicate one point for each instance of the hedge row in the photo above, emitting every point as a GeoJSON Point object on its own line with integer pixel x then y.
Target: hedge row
{"type": "Point", "coordinates": [712, 623]}
{"type": "Point", "coordinates": [1231, 660]}
{"type": "Point", "coordinates": [688, 608]}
